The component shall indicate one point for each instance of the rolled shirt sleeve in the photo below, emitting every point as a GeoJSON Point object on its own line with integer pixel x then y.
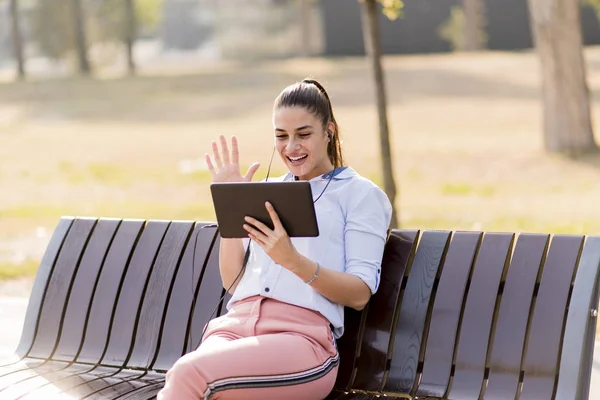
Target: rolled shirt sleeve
{"type": "Point", "coordinates": [367, 221]}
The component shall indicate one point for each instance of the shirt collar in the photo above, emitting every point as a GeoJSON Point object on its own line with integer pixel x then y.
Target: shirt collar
{"type": "Point", "coordinates": [339, 173]}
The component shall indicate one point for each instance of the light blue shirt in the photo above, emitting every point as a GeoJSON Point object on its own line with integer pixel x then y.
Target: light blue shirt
{"type": "Point", "coordinates": [353, 215]}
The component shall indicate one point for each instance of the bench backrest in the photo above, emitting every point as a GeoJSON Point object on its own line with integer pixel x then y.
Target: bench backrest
{"type": "Point", "coordinates": [120, 292]}
{"type": "Point", "coordinates": [457, 314]}
{"type": "Point", "coordinates": [491, 315]}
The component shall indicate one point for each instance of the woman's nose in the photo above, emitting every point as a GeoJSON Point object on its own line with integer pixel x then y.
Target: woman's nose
{"type": "Point", "coordinates": [291, 144]}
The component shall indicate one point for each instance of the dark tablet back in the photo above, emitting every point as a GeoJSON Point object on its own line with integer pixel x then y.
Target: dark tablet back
{"type": "Point", "coordinates": [292, 201]}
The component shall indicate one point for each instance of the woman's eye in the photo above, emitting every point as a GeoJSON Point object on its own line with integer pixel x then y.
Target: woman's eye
{"type": "Point", "coordinates": [303, 135]}
{"type": "Point", "coordinates": [281, 137]}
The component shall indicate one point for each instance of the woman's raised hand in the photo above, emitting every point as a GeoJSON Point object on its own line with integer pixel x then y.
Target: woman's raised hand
{"type": "Point", "coordinates": [228, 168]}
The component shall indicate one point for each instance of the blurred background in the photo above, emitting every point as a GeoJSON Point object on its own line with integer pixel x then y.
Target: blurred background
{"type": "Point", "coordinates": [107, 108]}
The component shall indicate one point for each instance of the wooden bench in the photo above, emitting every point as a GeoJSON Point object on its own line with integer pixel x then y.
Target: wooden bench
{"type": "Point", "coordinates": [457, 315]}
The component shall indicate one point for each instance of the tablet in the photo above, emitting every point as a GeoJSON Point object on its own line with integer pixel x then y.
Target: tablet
{"type": "Point", "coordinates": [292, 201]}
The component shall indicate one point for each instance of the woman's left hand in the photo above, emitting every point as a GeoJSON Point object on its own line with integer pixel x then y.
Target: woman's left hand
{"type": "Point", "coordinates": [275, 242]}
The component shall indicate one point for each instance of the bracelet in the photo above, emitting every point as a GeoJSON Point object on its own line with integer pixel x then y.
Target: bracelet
{"type": "Point", "coordinates": [311, 280]}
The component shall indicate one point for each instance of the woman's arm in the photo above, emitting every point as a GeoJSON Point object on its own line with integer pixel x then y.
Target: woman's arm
{"type": "Point", "coordinates": [231, 259]}
{"type": "Point", "coordinates": [339, 287]}
{"type": "Point", "coordinates": [364, 250]}
{"type": "Point", "coordinates": [231, 251]}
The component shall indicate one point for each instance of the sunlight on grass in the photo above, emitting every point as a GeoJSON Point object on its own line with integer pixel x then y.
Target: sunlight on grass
{"type": "Point", "coordinates": [122, 175]}
{"type": "Point", "coordinates": [532, 225]}
{"type": "Point", "coordinates": [146, 210]}
{"type": "Point", "coordinates": [503, 224]}
{"type": "Point", "coordinates": [33, 211]}
{"type": "Point", "coordinates": [465, 189]}
{"type": "Point", "coordinates": [10, 270]}
{"type": "Point", "coordinates": [109, 174]}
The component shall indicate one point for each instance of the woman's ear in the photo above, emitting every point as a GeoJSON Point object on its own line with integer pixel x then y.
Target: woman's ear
{"type": "Point", "coordinates": [330, 130]}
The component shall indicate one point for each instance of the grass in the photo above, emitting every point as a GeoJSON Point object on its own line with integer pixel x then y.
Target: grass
{"type": "Point", "coordinates": [9, 270]}
{"type": "Point", "coordinates": [465, 189]}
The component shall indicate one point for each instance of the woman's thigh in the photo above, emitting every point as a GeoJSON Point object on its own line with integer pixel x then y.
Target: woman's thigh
{"type": "Point", "coordinates": [276, 366]}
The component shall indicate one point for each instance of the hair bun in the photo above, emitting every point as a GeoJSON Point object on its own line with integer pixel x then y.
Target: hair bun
{"type": "Point", "coordinates": [317, 84]}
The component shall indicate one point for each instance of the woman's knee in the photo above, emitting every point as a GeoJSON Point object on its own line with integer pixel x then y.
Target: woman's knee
{"type": "Point", "coordinates": [186, 368]}
{"type": "Point", "coordinates": [184, 380]}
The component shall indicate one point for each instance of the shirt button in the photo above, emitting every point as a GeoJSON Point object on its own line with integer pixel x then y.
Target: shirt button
{"type": "Point", "coordinates": [267, 290]}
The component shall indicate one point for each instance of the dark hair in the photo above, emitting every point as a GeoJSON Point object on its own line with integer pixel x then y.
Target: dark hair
{"type": "Point", "coordinates": [312, 96]}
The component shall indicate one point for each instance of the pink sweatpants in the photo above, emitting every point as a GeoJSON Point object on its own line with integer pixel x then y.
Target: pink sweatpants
{"type": "Point", "coordinates": [261, 349]}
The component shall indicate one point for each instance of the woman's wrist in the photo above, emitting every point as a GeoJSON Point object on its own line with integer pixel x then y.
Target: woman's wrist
{"type": "Point", "coordinates": [303, 267]}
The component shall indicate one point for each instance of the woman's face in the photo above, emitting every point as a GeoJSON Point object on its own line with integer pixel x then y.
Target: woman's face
{"type": "Point", "coordinates": [301, 141]}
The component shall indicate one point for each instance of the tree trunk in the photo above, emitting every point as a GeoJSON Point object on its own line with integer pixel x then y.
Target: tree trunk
{"type": "Point", "coordinates": [473, 30]}
{"type": "Point", "coordinates": [17, 39]}
{"type": "Point", "coordinates": [306, 26]}
{"type": "Point", "coordinates": [566, 104]}
{"type": "Point", "coordinates": [80, 37]}
{"type": "Point", "coordinates": [370, 22]}
{"type": "Point", "coordinates": [131, 33]}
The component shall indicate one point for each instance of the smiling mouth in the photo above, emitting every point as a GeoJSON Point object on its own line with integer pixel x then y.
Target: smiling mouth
{"type": "Point", "coordinates": [297, 160]}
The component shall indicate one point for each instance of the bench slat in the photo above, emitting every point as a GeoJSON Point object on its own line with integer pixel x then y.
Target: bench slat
{"type": "Point", "coordinates": [107, 289]}
{"type": "Point", "coordinates": [173, 337]}
{"type": "Point", "coordinates": [358, 396]}
{"type": "Point", "coordinates": [156, 295]}
{"type": "Point", "coordinates": [36, 381]}
{"type": "Point", "coordinates": [375, 350]}
{"type": "Point", "coordinates": [540, 364]}
{"type": "Point", "coordinates": [348, 347]}
{"type": "Point", "coordinates": [15, 374]}
{"type": "Point", "coordinates": [54, 377]}
{"type": "Point", "coordinates": [58, 288]}
{"type": "Point", "coordinates": [413, 311]}
{"type": "Point", "coordinates": [81, 382]}
{"type": "Point", "coordinates": [578, 342]}
{"type": "Point", "coordinates": [471, 351]}
{"type": "Point", "coordinates": [147, 392]}
{"type": "Point", "coordinates": [40, 284]}
{"type": "Point", "coordinates": [130, 297]}
{"type": "Point", "coordinates": [109, 383]}
{"type": "Point", "coordinates": [71, 337]}
{"type": "Point", "coordinates": [208, 296]}
{"type": "Point", "coordinates": [513, 316]}
{"type": "Point", "coordinates": [121, 384]}
{"type": "Point", "coordinates": [446, 314]}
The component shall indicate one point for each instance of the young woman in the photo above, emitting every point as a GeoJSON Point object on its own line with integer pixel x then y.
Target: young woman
{"type": "Point", "coordinates": [277, 340]}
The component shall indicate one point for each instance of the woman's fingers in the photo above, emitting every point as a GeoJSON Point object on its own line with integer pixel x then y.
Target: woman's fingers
{"type": "Point", "coordinates": [235, 151]}
{"type": "Point", "coordinates": [209, 164]}
{"type": "Point", "coordinates": [255, 234]}
{"type": "Point", "coordinates": [277, 225]}
{"type": "Point", "coordinates": [225, 149]}
{"type": "Point", "coordinates": [259, 225]}
{"type": "Point", "coordinates": [251, 171]}
{"type": "Point", "coordinates": [217, 155]}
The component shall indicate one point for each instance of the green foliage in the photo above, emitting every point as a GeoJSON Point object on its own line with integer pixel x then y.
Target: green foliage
{"type": "Point", "coordinates": [148, 12]}
{"type": "Point", "coordinates": [595, 4]}
{"type": "Point", "coordinates": [392, 8]}
{"type": "Point", "coordinates": [453, 30]}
